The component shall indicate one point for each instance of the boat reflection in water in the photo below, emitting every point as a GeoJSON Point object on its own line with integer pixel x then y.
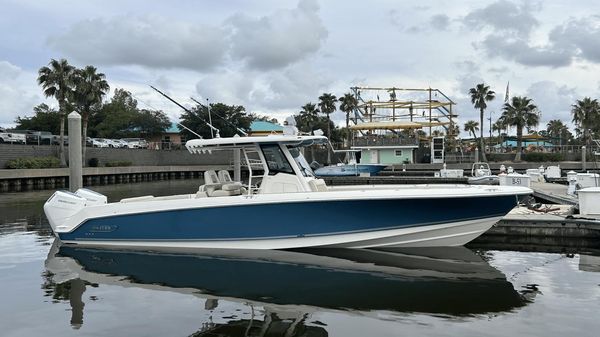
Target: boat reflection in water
{"type": "Point", "coordinates": [451, 281]}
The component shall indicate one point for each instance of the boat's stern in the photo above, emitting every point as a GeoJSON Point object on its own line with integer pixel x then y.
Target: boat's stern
{"type": "Point", "coordinates": [62, 205]}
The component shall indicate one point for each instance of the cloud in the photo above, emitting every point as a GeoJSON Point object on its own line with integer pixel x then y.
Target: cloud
{"type": "Point", "coordinates": [553, 100]}
{"type": "Point", "coordinates": [504, 16]}
{"type": "Point", "coordinates": [150, 41]}
{"type": "Point", "coordinates": [16, 93]}
{"type": "Point", "coordinates": [440, 21]}
{"type": "Point", "coordinates": [279, 39]}
{"type": "Point", "coordinates": [518, 50]}
{"type": "Point", "coordinates": [582, 36]}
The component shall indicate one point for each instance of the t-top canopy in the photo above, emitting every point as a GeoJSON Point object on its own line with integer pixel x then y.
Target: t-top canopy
{"type": "Point", "coordinates": [202, 145]}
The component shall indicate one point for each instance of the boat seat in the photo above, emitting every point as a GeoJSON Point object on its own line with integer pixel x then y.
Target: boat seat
{"type": "Point", "coordinates": [228, 183]}
{"type": "Point", "coordinates": [214, 187]}
{"type": "Point", "coordinates": [318, 185]}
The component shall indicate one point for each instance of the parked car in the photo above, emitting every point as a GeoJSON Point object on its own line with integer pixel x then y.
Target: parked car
{"type": "Point", "coordinates": [39, 137]}
{"type": "Point", "coordinates": [56, 140]}
{"type": "Point", "coordinates": [122, 143]}
{"type": "Point", "coordinates": [114, 143]}
{"type": "Point", "coordinates": [99, 142]}
{"type": "Point", "coordinates": [136, 143]}
{"type": "Point", "coordinates": [8, 136]}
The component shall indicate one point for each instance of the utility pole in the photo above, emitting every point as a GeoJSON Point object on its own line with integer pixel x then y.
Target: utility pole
{"type": "Point", "coordinates": [490, 119]}
{"type": "Point", "coordinates": [209, 119]}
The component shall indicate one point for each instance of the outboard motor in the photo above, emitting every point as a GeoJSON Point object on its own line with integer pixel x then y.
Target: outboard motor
{"type": "Point", "coordinates": [62, 205]}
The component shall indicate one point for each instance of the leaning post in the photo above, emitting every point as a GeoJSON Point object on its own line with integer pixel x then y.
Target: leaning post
{"type": "Point", "coordinates": [75, 155]}
{"type": "Point", "coordinates": [583, 158]}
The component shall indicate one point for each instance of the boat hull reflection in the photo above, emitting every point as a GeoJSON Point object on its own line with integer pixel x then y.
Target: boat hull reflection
{"type": "Point", "coordinates": [449, 280]}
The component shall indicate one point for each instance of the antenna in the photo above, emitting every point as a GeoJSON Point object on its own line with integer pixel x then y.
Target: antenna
{"type": "Point", "coordinates": [188, 110]}
{"type": "Point", "coordinates": [225, 120]}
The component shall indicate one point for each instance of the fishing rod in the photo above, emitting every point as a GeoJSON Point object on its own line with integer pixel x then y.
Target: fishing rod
{"type": "Point", "coordinates": [188, 111]}
{"type": "Point", "coordinates": [226, 121]}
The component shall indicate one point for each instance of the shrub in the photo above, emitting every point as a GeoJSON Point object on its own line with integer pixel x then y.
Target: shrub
{"type": "Point", "coordinates": [93, 162]}
{"type": "Point", "coordinates": [542, 157]}
{"type": "Point", "coordinates": [33, 163]}
{"type": "Point", "coordinates": [117, 163]}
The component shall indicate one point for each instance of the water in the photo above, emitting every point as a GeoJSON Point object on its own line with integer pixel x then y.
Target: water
{"type": "Point", "coordinates": [64, 291]}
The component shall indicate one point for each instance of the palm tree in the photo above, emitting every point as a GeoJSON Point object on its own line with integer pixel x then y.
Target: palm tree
{"type": "Point", "coordinates": [57, 81]}
{"type": "Point", "coordinates": [479, 96]}
{"type": "Point", "coordinates": [327, 106]}
{"type": "Point", "coordinates": [498, 126]}
{"type": "Point", "coordinates": [472, 127]}
{"type": "Point", "coordinates": [520, 113]}
{"type": "Point", "coordinates": [90, 86]}
{"type": "Point", "coordinates": [556, 129]}
{"type": "Point", "coordinates": [585, 114]}
{"type": "Point", "coordinates": [347, 104]}
{"type": "Point", "coordinates": [308, 118]}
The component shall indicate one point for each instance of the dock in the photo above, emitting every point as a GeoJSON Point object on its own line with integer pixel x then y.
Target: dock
{"type": "Point", "coordinates": [553, 193]}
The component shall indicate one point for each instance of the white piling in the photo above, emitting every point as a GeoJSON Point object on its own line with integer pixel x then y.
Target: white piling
{"type": "Point", "coordinates": [75, 155]}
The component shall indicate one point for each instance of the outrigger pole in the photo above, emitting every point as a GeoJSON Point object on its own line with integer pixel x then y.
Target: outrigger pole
{"type": "Point", "coordinates": [226, 121]}
{"type": "Point", "coordinates": [187, 110]}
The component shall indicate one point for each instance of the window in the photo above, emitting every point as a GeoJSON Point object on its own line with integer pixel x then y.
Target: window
{"type": "Point", "coordinates": [276, 160]}
{"type": "Point", "coordinates": [398, 153]}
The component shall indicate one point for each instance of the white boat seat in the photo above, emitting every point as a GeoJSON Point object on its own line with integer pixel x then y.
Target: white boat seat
{"type": "Point", "coordinates": [224, 176]}
{"type": "Point", "coordinates": [318, 185]}
{"type": "Point", "coordinates": [211, 178]}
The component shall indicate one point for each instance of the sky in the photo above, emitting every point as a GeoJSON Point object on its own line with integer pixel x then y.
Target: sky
{"type": "Point", "coordinates": [273, 56]}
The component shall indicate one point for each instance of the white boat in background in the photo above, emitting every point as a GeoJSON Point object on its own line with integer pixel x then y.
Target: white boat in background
{"type": "Point", "coordinates": [481, 174]}
{"type": "Point", "coordinates": [286, 207]}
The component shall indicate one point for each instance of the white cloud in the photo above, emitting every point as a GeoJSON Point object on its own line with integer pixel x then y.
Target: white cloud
{"type": "Point", "coordinates": [553, 100]}
{"type": "Point", "coordinates": [17, 95]}
{"type": "Point", "coordinates": [279, 39]}
{"type": "Point", "coordinates": [151, 41]}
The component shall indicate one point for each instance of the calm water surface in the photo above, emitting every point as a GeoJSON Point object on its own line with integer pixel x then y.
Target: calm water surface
{"type": "Point", "coordinates": [50, 290]}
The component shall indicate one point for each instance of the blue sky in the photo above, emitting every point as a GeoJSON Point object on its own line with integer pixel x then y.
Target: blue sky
{"type": "Point", "coordinates": [274, 56]}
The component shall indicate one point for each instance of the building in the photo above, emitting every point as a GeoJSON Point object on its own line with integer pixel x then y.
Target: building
{"type": "Point", "coordinates": [263, 128]}
{"type": "Point", "coordinates": [167, 139]}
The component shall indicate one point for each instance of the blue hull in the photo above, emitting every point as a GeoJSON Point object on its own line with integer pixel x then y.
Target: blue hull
{"type": "Point", "coordinates": [349, 170]}
{"type": "Point", "coordinates": [288, 220]}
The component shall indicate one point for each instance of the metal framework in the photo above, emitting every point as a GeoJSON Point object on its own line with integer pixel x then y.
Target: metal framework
{"type": "Point", "coordinates": [428, 107]}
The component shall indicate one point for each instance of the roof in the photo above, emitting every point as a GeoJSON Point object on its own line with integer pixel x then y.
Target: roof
{"type": "Point", "coordinates": [173, 128]}
{"type": "Point", "coordinates": [200, 145]}
{"type": "Point", "coordinates": [263, 126]}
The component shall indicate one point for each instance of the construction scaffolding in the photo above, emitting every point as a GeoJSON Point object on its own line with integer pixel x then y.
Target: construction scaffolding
{"type": "Point", "coordinates": [403, 108]}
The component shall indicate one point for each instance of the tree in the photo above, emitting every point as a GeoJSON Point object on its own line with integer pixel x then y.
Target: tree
{"type": "Point", "coordinates": [57, 81]}
{"type": "Point", "coordinates": [558, 130]}
{"type": "Point", "coordinates": [307, 118]}
{"type": "Point", "coordinates": [347, 104]}
{"type": "Point", "coordinates": [116, 118]}
{"type": "Point", "coordinates": [226, 118]}
{"type": "Point", "coordinates": [90, 87]}
{"type": "Point", "coordinates": [479, 96]}
{"type": "Point", "coordinates": [586, 113]}
{"type": "Point", "coordinates": [498, 126]}
{"type": "Point", "coordinates": [520, 113]}
{"type": "Point", "coordinates": [151, 122]}
{"type": "Point", "coordinates": [472, 127]}
{"type": "Point", "coordinates": [327, 106]}
{"type": "Point", "coordinates": [44, 119]}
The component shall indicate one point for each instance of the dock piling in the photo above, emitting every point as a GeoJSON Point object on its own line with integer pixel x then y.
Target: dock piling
{"type": "Point", "coordinates": [75, 154]}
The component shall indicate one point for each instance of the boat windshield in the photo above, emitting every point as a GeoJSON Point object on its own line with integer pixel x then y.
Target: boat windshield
{"type": "Point", "coordinates": [302, 163]}
{"type": "Point", "coordinates": [276, 160]}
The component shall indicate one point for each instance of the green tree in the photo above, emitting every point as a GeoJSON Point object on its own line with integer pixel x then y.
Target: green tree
{"type": "Point", "coordinates": [520, 113]}
{"type": "Point", "coordinates": [226, 118]}
{"type": "Point", "coordinates": [481, 94]}
{"type": "Point", "coordinates": [57, 80]}
{"type": "Point", "coordinates": [586, 113]}
{"type": "Point", "coordinates": [347, 104]}
{"type": "Point", "coordinates": [472, 127]}
{"type": "Point", "coordinates": [327, 106]}
{"type": "Point", "coordinates": [558, 130]}
{"type": "Point", "coordinates": [44, 119]}
{"type": "Point", "coordinates": [307, 118]}
{"type": "Point", "coordinates": [151, 122]}
{"type": "Point", "coordinates": [90, 87]}
{"type": "Point", "coordinates": [116, 118]}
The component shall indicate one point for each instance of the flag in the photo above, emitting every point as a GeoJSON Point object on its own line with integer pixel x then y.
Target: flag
{"type": "Point", "coordinates": [506, 95]}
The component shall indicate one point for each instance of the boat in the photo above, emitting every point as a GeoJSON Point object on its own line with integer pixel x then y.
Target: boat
{"type": "Point", "coordinates": [350, 168]}
{"type": "Point", "coordinates": [481, 174]}
{"type": "Point", "coordinates": [442, 280]}
{"type": "Point", "coordinates": [283, 207]}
